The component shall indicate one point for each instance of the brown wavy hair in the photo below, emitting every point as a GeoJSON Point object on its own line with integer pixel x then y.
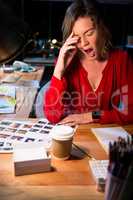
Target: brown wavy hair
{"type": "Point", "coordinates": [76, 10]}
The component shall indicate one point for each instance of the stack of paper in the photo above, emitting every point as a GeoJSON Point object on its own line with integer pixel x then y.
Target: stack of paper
{"type": "Point", "coordinates": [30, 158]}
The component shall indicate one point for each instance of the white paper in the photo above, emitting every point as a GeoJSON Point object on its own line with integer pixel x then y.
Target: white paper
{"type": "Point", "coordinates": [7, 99]}
{"type": "Point", "coordinates": [110, 134]}
{"type": "Point", "coordinates": [31, 151]}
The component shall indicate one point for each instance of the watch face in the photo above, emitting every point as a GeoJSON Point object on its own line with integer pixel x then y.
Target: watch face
{"type": "Point", "coordinates": [96, 114]}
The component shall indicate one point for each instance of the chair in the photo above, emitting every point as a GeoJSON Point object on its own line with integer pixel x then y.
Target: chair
{"type": "Point", "coordinates": [40, 101]}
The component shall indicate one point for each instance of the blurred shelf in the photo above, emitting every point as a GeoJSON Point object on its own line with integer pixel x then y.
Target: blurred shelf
{"type": "Point", "coordinates": [129, 46]}
{"type": "Point", "coordinates": [40, 60]}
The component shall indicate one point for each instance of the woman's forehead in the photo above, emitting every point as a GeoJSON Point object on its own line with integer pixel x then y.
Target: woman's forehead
{"type": "Point", "coordinates": [83, 24]}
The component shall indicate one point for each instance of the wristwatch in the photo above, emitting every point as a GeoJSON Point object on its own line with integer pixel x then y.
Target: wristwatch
{"type": "Point", "coordinates": [96, 114]}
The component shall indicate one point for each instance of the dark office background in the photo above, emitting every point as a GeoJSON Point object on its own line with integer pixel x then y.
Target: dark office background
{"type": "Point", "coordinates": [46, 16]}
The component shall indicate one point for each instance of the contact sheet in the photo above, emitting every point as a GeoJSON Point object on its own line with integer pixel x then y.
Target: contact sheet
{"type": "Point", "coordinates": [12, 131]}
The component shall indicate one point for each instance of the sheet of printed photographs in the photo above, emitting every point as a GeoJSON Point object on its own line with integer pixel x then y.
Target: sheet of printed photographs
{"type": "Point", "coordinates": [12, 131]}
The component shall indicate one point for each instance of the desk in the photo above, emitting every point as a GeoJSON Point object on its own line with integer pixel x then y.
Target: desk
{"type": "Point", "coordinates": [25, 95]}
{"type": "Point", "coordinates": [36, 75]}
{"type": "Point", "coordinates": [69, 180]}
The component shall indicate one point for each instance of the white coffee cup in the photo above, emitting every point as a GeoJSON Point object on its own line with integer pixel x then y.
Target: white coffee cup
{"type": "Point", "coordinates": [62, 136]}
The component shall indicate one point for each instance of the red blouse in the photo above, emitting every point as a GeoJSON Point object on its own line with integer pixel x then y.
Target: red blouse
{"type": "Point", "coordinates": [74, 94]}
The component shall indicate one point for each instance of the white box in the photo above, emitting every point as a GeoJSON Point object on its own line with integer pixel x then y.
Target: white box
{"type": "Point", "coordinates": [30, 158]}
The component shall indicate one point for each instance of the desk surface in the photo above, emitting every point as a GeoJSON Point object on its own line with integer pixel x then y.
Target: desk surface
{"type": "Point", "coordinates": [26, 91]}
{"type": "Point", "coordinates": [69, 180]}
{"type": "Point", "coordinates": [36, 75]}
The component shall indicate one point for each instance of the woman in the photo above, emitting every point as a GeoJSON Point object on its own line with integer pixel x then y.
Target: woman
{"type": "Point", "coordinates": [91, 81]}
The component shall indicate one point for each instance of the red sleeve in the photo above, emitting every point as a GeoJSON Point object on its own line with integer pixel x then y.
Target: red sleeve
{"type": "Point", "coordinates": [53, 107]}
{"type": "Point", "coordinates": [122, 114]}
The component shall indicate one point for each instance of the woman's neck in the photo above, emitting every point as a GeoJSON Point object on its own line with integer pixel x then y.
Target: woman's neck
{"type": "Point", "coordinates": [93, 65]}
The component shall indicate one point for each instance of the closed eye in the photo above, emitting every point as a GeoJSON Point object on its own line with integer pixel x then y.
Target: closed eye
{"type": "Point", "coordinates": [90, 33]}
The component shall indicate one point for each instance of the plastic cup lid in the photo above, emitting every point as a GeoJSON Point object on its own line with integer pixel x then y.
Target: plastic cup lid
{"type": "Point", "coordinates": [62, 132]}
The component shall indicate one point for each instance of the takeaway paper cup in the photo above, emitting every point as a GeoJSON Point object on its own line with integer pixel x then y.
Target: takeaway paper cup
{"type": "Point", "coordinates": [62, 136]}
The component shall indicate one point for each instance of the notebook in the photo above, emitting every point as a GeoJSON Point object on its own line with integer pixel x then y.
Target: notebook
{"type": "Point", "coordinates": [110, 134]}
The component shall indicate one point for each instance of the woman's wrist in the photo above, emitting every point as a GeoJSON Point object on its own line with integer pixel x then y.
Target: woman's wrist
{"type": "Point", "coordinates": [58, 73]}
{"type": "Point", "coordinates": [96, 115]}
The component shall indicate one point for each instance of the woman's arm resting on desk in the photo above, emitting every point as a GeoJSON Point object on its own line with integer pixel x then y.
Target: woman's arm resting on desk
{"type": "Point", "coordinates": [75, 119]}
{"type": "Point", "coordinates": [106, 117]}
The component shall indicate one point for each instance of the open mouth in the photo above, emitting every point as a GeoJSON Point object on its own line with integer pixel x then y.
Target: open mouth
{"type": "Point", "coordinates": [90, 52]}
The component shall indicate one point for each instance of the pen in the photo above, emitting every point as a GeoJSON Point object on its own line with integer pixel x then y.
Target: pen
{"type": "Point", "coordinates": [84, 152]}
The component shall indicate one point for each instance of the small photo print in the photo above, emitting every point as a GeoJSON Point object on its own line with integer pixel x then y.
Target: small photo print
{"type": "Point", "coordinates": [8, 144]}
{"type": "Point", "coordinates": [50, 124]}
{"type": "Point", "coordinates": [21, 131]}
{"type": "Point", "coordinates": [15, 125]}
{"type": "Point", "coordinates": [44, 131]}
{"type": "Point", "coordinates": [29, 140]}
{"type": "Point", "coordinates": [37, 126]}
{"type": "Point", "coordinates": [27, 126]}
{"type": "Point", "coordinates": [48, 127]}
{"type": "Point", "coordinates": [42, 122]}
{"type": "Point", "coordinates": [5, 123]}
{"type": "Point", "coordinates": [11, 130]}
{"type": "Point", "coordinates": [34, 130]}
{"type": "Point", "coordinates": [4, 135]}
{"type": "Point", "coordinates": [15, 137]}
{"type": "Point", "coordinates": [1, 144]}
